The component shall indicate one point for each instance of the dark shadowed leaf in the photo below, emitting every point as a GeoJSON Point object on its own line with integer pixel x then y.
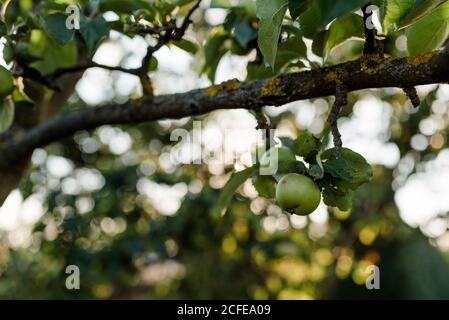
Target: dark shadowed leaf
{"type": "Point", "coordinates": [93, 31]}
{"type": "Point", "coordinates": [55, 25]}
{"type": "Point", "coordinates": [350, 166]}
{"type": "Point", "coordinates": [270, 14]}
{"type": "Point", "coordinates": [323, 12]}
{"type": "Point", "coordinates": [6, 114]}
{"type": "Point", "coordinates": [297, 7]}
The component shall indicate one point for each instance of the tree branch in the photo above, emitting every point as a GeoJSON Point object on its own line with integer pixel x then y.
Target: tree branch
{"type": "Point", "coordinates": [401, 73]}
{"type": "Point", "coordinates": [88, 65]}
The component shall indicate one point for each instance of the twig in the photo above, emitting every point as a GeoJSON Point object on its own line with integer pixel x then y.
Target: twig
{"type": "Point", "coordinates": [50, 79]}
{"type": "Point", "coordinates": [154, 31]}
{"type": "Point", "coordinates": [33, 74]}
{"type": "Point", "coordinates": [168, 32]}
{"type": "Point", "coordinates": [370, 46]}
{"type": "Point", "coordinates": [263, 123]}
{"type": "Point", "coordinates": [341, 99]}
{"type": "Point", "coordinates": [412, 94]}
{"type": "Point", "coordinates": [82, 67]}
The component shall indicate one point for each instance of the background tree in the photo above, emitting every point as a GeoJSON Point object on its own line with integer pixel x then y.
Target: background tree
{"type": "Point", "coordinates": [103, 204]}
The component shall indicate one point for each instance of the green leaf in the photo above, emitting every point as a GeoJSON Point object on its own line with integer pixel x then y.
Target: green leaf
{"type": "Point", "coordinates": [319, 43]}
{"type": "Point", "coordinates": [350, 167]}
{"type": "Point", "coordinates": [52, 6]}
{"type": "Point", "coordinates": [3, 29]}
{"type": "Point", "coordinates": [51, 55]}
{"type": "Point", "coordinates": [295, 45]}
{"type": "Point", "coordinates": [257, 71]}
{"type": "Point", "coordinates": [186, 45]}
{"type": "Point", "coordinates": [297, 7]}
{"type": "Point", "coordinates": [289, 51]}
{"type": "Point", "coordinates": [7, 85]}
{"type": "Point", "coordinates": [124, 6]}
{"type": "Point", "coordinates": [153, 64]}
{"type": "Point", "coordinates": [344, 28]}
{"type": "Point", "coordinates": [287, 142]}
{"type": "Point", "coordinates": [214, 50]}
{"type": "Point", "coordinates": [36, 46]}
{"type": "Point", "coordinates": [290, 166]}
{"type": "Point", "coordinates": [8, 54]}
{"type": "Point", "coordinates": [271, 14]}
{"type": "Point", "coordinates": [342, 202]}
{"type": "Point", "coordinates": [292, 49]}
{"type": "Point", "coordinates": [226, 4]}
{"type": "Point", "coordinates": [163, 8]}
{"type": "Point", "coordinates": [402, 13]}
{"type": "Point", "coordinates": [306, 145]}
{"type": "Point", "coordinates": [230, 188]}
{"type": "Point", "coordinates": [265, 186]}
{"type": "Point", "coordinates": [93, 31]}
{"type": "Point", "coordinates": [6, 114]}
{"type": "Point", "coordinates": [55, 26]}
{"type": "Point", "coordinates": [244, 33]}
{"type": "Point", "coordinates": [316, 171]}
{"type": "Point", "coordinates": [429, 32]}
{"type": "Point", "coordinates": [322, 12]}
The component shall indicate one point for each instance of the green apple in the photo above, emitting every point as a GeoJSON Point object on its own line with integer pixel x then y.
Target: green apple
{"type": "Point", "coordinates": [283, 154]}
{"type": "Point", "coordinates": [298, 193]}
{"type": "Point", "coordinates": [6, 82]}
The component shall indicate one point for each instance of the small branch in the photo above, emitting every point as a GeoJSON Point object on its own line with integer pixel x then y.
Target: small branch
{"type": "Point", "coordinates": [154, 31]}
{"type": "Point", "coordinates": [82, 67]}
{"type": "Point", "coordinates": [370, 46]}
{"type": "Point", "coordinates": [187, 21]}
{"type": "Point", "coordinates": [341, 100]}
{"type": "Point", "coordinates": [263, 123]}
{"type": "Point", "coordinates": [167, 33]}
{"type": "Point", "coordinates": [163, 40]}
{"type": "Point", "coordinates": [412, 94]}
{"type": "Point", "coordinates": [33, 74]}
{"type": "Point", "coordinates": [50, 80]}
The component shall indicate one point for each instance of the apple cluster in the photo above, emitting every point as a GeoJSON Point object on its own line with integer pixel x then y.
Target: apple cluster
{"type": "Point", "coordinates": [306, 172]}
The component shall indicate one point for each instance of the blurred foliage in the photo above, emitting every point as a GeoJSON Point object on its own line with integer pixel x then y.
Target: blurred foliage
{"type": "Point", "coordinates": [127, 247]}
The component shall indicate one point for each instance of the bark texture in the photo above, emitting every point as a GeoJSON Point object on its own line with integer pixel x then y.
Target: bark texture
{"type": "Point", "coordinates": [367, 72]}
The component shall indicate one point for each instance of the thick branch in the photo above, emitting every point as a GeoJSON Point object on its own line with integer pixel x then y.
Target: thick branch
{"type": "Point", "coordinates": [402, 73]}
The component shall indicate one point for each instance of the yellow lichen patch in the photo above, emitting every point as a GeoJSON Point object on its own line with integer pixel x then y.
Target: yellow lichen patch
{"type": "Point", "coordinates": [333, 77]}
{"type": "Point", "coordinates": [422, 58]}
{"type": "Point", "coordinates": [271, 88]}
{"type": "Point", "coordinates": [233, 84]}
{"type": "Point", "coordinates": [139, 101]}
{"type": "Point", "coordinates": [372, 64]}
